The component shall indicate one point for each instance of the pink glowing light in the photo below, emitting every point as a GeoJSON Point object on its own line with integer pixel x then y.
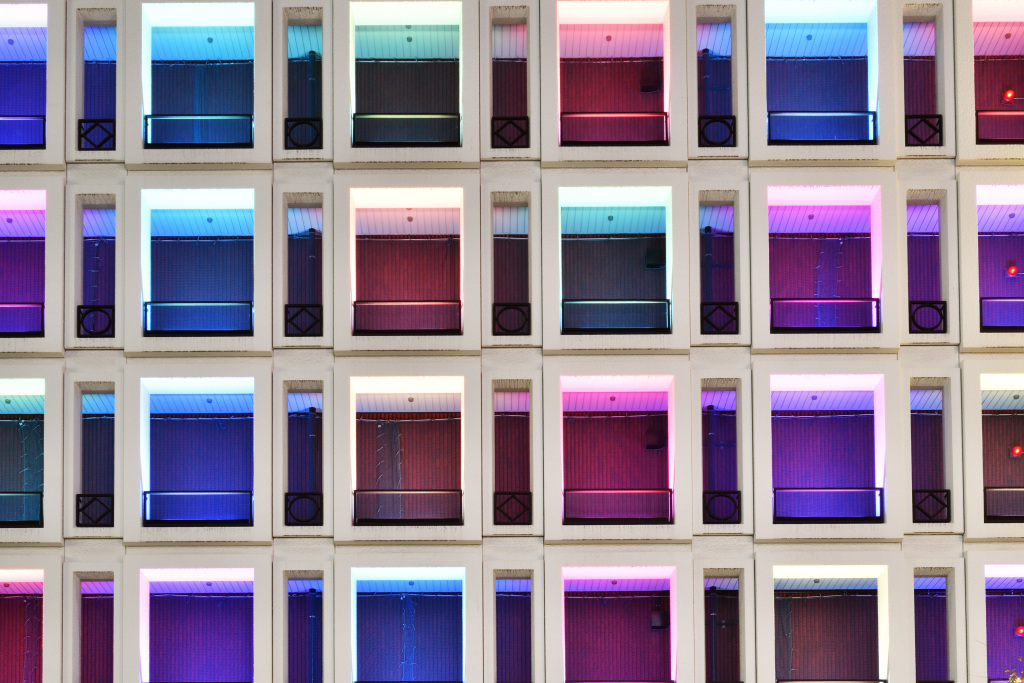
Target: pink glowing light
{"type": "Point", "coordinates": [612, 12]}
{"type": "Point", "coordinates": [823, 195]}
{"type": "Point", "coordinates": [22, 200]}
{"type": "Point", "coordinates": [591, 573]}
{"type": "Point", "coordinates": [999, 195]}
{"type": "Point", "coordinates": [613, 383]}
{"type": "Point", "coordinates": [23, 16]}
{"type": "Point", "coordinates": [20, 575]}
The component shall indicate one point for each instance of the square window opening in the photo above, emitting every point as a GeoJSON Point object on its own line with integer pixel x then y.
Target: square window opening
{"type": "Point", "coordinates": [511, 263]}
{"type": "Point", "coordinates": [23, 48]}
{"type": "Point", "coordinates": [96, 629]}
{"type": "Point", "coordinates": [23, 253]}
{"type": "Point", "coordinates": [305, 630]}
{"type": "Point", "coordinates": [513, 495]}
{"type": "Point", "coordinates": [197, 75]}
{"type": "Point", "coordinates": [1000, 256]}
{"type": "Point", "coordinates": [94, 499]}
{"type": "Point", "coordinates": [923, 122]}
{"type": "Point", "coordinates": [513, 621]}
{"type": "Point", "coordinates": [716, 118]}
{"type": "Point", "coordinates": [825, 259]}
{"type": "Point", "coordinates": [719, 453]}
{"type": "Point", "coordinates": [719, 309]}
{"type": "Point", "coordinates": [95, 314]}
{"type": "Point", "coordinates": [303, 126]}
{"type": "Point", "coordinates": [998, 36]}
{"type": "Point", "coordinates": [1002, 423]}
{"type": "Point", "coordinates": [510, 92]}
{"type": "Point", "coordinates": [98, 123]}
{"type": "Point", "coordinates": [722, 629]}
{"type": "Point", "coordinates": [21, 628]}
{"type": "Point", "coordinates": [304, 309]}
{"type": "Point", "coordinates": [22, 404]}
{"type": "Point", "coordinates": [304, 497]}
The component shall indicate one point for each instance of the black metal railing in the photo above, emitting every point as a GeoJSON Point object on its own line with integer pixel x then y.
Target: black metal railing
{"type": "Point", "coordinates": [22, 132]}
{"type": "Point", "coordinates": [392, 318]}
{"type": "Point", "coordinates": [716, 131]}
{"type": "Point", "coordinates": [869, 135]}
{"type": "Point", "coordinates": [931, 506]}
{"type": "Point", "coordinates": [184, 324]}
{"type": "Point", "coordinates": [304, 133]}
{"type": "Point", "coordinates": [95, 321]}
{"type": "Point", "coordinates": [408, 507]}
{"type": "Point", "coordinates": [303, 320]}
{"type": "Point", "coordinates": [859, 321]}
{"type": "Point", "coordinates": [510, 319]}
{"type": "Point", "coordinates": [923, 130]}
{"type": "Point", "coordinates": [407, 130]}
{"type": "Point", "coordinates": [513, 507]}
{"type": "Point", "coordinates": [96, 134]}
{"type": "Point", "coordinates": [242, 140]}
{"type": "Point", "coordinates": [1011, 308]}
{"type": "Point", "coordinates": [617, 506]}
{"type": "Point", "coordinates": [21, 509]}
{"type": "Point", "coordinates": [22, 319]}
{"type": "Point", "coordinates": [990, 129]}
{"type": "Point", "coordinates": [304, 509]}
{"type": "Point", "coordinates": [638, 316]}
{"type": "Point", "coordinates": [192, 508]}
{"type": "Point", "coordinates": [812, 505]}
{"type": "Point", "coordinates": [510, 132]}
{"type": "Point", "coordinates": [719, 317]}
{"type": "Point", "coordinates": [657, 135]}
{"type": "Point", "coordinates": [927, 317]}
{"type": "Point", "coordinates": [94, 510]}
{"type": "Point", "coordinates": [1004, 503]}
{"type": "Point", "coordinates": [722, 507]}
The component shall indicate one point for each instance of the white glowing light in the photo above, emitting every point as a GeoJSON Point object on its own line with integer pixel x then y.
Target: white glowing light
{"type": "Point", "coordinates": [825, 382]}
{"type": "Point", "coordinates": [22, 200]}
{"type": "Point", "coordinates": [614, 196]}
{"type": "Point", "coordinates": [20, 386]}
{"type": "Point", "coordinates": [199, 385]}
{"type": "Point", "coordinates": [606, 383]}
{"type": "Point", "coordinates": [199, 199]}
{"type": "Point", "coordinates": [612, 12]}
{"type": "Point", "coordinates": [823, 195]}
{"type": "Point", "coordinates": [187, 14]}
{"type": "Point", "coordinates": [830, 571]}
{"type": "Point", "coordinates": [406, 197]}
{"type": "Point", "coordinates": [23, 16]}
{"type": "Point", "coordinates": [408, 385]}
{"type": "Point", "coordinates": [406, 13]}
{"type": "Point", "coordinates": [156, 574]}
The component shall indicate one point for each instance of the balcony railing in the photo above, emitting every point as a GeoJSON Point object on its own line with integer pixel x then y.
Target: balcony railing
{"type": "Point", "coordinates": [845, 315]}
{"type": "Point", "coordinates": [927, 317]}
{"type": "Point", "coordinates": [510, 319]}
{"type": "Point", "coordinates": [616, 316]}
{"type": "Point", "coordinates": [719, 317]}
{"type": "Point", "coordinates": [716, 131]}
{"type": "Point", "coordinates": [197, 508]}
{"type": "Point", "coordinates": [22, 319]}
{"type": "Point", "coordinates": [831, 680]}
{"type": "Point", "coordinates": [94, 510]}
{"type": "Point", "coordinates": [513, 507]}
{"type": "Point", "coordinates": [620, 680]}
{"type": "Point", "coordinates": [798, 127]}
{"type": "Point", "coordinates": [304, 133]}
{"type": "Point", "coordinates": [999, 127]}
{"type": "Point", "coordinates": [95, 321]}
{"type": "Point", "coordinates": [510, 132]}
{"type": "Point", "coordinates": [407, 317]}
{"type": "Point", "coordinates": [21, 509]}
{"type": "Point", "coordinates": [589, 129]}
{"type": "Point", "coordinates": [923, 130]}
{"type": "Point", "coordinates": [722, 507]}
{"type": "Point", "coordinates": [405, 507]}
{"type": "Point", "coordinates": [96, 134]}
{"type": "Point", "coordinates": [304, 509]}
{"type": "Point", "coordinates": [827, 505]}
{"type": "Point", "coordinates": [407, 130]}
{"type": "Point", "coordinates": [197, 319]}
{"type": "Point", "coordinates": [1001, 314]}
{"type": "Point", "coordinates": [1004, 503]}
{"type": "Point", "coordinates": [303, 320]}
{"type": "Point", "coordinates": [22, 132]}
{"type": "Point", "coordinates": [617, 506]}
{"type": "Point", "coordinates": [197, 131]}
{"type": "Point", "coordinates": [931, 506]}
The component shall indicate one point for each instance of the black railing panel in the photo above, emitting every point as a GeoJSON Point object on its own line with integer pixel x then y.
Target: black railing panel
{"type": "Point", "coordinates": [407, 130]}
{"type": "Point", "coordinates": [303, 133]}
{"type": "Point", "coordinates": [22, 132]}
{"type": "Point", "coordinates": [303, 320]}
{"type": "Point", "coordinates": [510, 132]}
{"type": "Point", "coordinates": [393, 318]}
{"type": "Point", "coordinates": [513, 507]}
{"type": "Point", "coordinates": [722, 507]}
{"type": "Point", "coordinates": [180, 131]}
{"type": "Point", "coordinates": [587, 129]}
{"type": "Point", "coordinates": [999, 127]}
{"type": "Point", "coordinates": [617, 506]}
{"type": "Point", "coordinates": [197, 319]}
{"type": "Point", "coordinates": [1001, 314]}
{"type": "Point", "coordinates": [413, 507]}
{"type": "Point", "coordinates": [716, 131]}
{"type": "Point", "coordinates": [1004, 503]}
{"type": "Point", "coordinates": [197, 508]}
{"type": "Point", "coordinates": [94, 510]}
{"type": "Point", "coordinates": [923, 130]}
{"type": "Point", "coordinates": [22, 319]}
{"type": "Point", "coordinates": [719, 317]}
{"type": "Point", "coordinates": [616, 316]}
{"type": "Point", "coordinates": [21, 509]}
{"type": "Point", "coordinates": [931, 506]}
{"type": "Point", "coordinates": [510, 319]}
{"type": "Point", "coordinates": [832, 315]}
{"type": "Point", "coordinates": [95, 321]}
{"type": "Point", "coordinates": [96, 134]}
{"type": "Point", "coordinates": [304, 509]}
{"type": "Point", "coordinates": [849, 127]}
{"type": "Point", "coordinates": [927, 317]}
{"type": "Point", "coordinates": [828, 505]}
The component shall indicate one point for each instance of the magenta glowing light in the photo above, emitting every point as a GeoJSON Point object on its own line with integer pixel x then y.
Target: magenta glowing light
{"type": "Point", "coordinates": [22, 200]}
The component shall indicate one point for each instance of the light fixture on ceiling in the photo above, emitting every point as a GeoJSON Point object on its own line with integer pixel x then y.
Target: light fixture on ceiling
{"type": "Point", "coordinates": [1016, 452]}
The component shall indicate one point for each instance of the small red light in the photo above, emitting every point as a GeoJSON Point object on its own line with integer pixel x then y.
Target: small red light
{"type": "Point", "coordinates": [1019, 630]}
{"type": "Point", "coordinates": [1011, 270]}
{"type": "Point", "coordinates": [1016, 452]}
{"type": "Point", "coordinates": [1009, 96]}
